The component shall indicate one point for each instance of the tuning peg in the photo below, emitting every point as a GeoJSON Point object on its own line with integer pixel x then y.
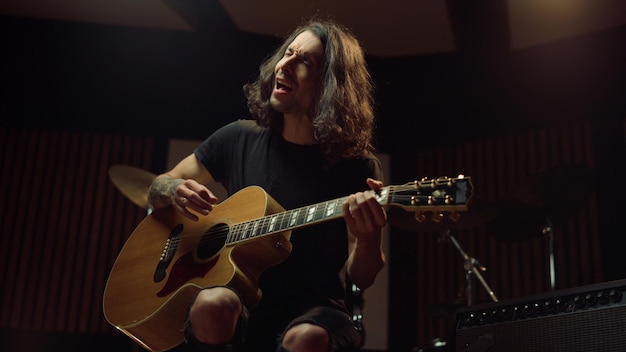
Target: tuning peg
{"type": "Point", "coordinates": [437, 217]}
{"type": "Point", "coordinates": [420, 217]}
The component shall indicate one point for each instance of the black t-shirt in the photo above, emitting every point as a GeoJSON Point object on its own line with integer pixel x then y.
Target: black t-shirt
{"type": "Point", "coordinates": [243, 154]}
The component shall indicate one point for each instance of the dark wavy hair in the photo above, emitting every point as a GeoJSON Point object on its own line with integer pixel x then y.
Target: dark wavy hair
{"type": "Point", "coordinates": [343, 117]}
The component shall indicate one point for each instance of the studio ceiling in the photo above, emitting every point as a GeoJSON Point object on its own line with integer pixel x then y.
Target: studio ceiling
{"type": "Point", "coordinates": [390, 28]}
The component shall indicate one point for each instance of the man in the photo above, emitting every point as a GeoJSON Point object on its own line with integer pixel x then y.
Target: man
{"type": "Point", "coordinates": [310, 142]}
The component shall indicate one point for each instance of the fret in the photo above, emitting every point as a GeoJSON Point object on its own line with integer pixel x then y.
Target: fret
{"type": "Point", "coordinates": [234, 233]}
{"type": "Point", "coordinates": [310, 214]}
{"type": "Point", "coordinates": [229, 235]}
{"type": "Point", "coordinates": [284, 221]}
{"type": "Point", "coordinates": [255, 228]}
{"type": "Point", "coordinates": [294, 217]}
{"type": "Point", "coordinates": [330, 208]}
{"type": "Point", "coordinates": [302, 216]}
{"type": "Point", "coordinates": [319, 211]}
{"type": "Point", "coordinates": [264, 224]}
{"type": "Point", "coordinates": [262, 228]}
{"type": "Point", "coordinates": [240, 232]}
{"type": "Point", "coordinates": [272, 223]}
{"type": "Point", "coordinates": [244, 231]}
{"type": "Point", "coordinates": [250, 230]}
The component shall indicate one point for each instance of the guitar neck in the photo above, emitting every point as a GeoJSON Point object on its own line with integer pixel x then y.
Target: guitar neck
{"type": "Point", "coordinates": [436, 195]}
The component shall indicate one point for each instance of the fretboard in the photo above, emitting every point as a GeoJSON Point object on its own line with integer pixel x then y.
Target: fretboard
{"type": "Point", "coordinates": [292, 219]}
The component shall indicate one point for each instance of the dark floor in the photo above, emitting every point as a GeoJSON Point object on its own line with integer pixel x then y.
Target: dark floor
{"type": "Point", "coordinates": [29, 341]}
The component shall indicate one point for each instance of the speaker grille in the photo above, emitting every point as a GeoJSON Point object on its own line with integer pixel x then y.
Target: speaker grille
{"type": "Point", "coordinates": [591, 318]}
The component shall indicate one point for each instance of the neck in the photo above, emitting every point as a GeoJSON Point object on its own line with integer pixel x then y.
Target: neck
{"type": "Point", "coordinates": [298, 130]}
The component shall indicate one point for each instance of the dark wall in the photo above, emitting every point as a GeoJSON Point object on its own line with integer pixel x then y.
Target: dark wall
{"type": "Point", "coordinates": [185, 84]}
{"type": "Point", "coordinates": [126, 80]}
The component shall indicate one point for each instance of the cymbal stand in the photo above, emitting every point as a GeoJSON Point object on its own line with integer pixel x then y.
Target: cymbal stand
{"type": "Point", "coordinates": [472, 268]}
{"type": "Point", "coordinates": [548, 230]}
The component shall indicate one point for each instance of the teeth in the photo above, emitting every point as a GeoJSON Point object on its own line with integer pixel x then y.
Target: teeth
{"type": "Point", "coordinates": [281, 85]}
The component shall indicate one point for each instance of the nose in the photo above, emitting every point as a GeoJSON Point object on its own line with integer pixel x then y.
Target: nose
{"type": "Point", "coordinates": [284, 69]}
{"type": "Point", "coordinates": [286, 64]}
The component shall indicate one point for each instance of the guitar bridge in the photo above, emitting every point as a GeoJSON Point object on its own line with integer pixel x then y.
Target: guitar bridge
{"type": "Point", "coordinates": [168, 253]}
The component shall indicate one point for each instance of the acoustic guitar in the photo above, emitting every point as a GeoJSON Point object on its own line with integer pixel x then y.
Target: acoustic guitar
{"type": "Point", "coordinates": [168, 258]}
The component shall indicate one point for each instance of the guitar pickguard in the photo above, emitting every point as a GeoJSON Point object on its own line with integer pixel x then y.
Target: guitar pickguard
{"type": "Point", "coordinates": [183, 270]}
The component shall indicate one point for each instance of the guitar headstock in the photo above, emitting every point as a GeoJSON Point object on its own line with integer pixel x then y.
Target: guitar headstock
{"type": "Point", "coordinates": [437, 196]}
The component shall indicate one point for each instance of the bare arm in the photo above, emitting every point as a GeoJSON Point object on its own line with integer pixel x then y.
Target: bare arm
{"type": "Point", "coordinates": [366, 219]}
{"type": "Point", "coordinates": [184, 188]}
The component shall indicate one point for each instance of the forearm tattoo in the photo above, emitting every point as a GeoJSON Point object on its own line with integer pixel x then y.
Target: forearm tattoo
{"type": "Point", "coordinates": [161, 191]}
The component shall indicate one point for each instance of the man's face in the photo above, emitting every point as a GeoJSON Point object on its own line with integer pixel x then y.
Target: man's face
{"type": "Point", "coordinates": [297, 76]}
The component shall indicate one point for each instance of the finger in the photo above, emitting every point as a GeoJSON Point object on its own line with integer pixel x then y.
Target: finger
{"type": "Point", "coordinates": [187, 197]}
{"type": "Point", "coordinates": [191, 202]}
{"type": "Point", "coordinates": [371, 211]}
{"type": "Point", "coordinates": [347, 208]}
{"type": "Point", "coordinates": [202, 193]}
{"type": "Point", "coordinates": [374, 184]}
{"type": "Point", "coordinates": [208, 196]}
{"type": "Point", "coordinates": [197, 193]}
{"type": "Point", "coordinates": [361, 211]}
{"type": "Point", "coordinates": [181, 204]}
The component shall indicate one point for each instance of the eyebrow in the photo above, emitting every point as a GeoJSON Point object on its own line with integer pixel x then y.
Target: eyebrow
{"type": "Point", "coordinates": [308, 55]}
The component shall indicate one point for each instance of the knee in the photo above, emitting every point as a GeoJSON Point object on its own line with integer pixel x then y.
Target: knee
{"type": "Point", "coordinates": [217, 301]}
{"type": "Point", "coordinates": [214, 313]}
{"type": "Point", "coordinates": [306, 338]}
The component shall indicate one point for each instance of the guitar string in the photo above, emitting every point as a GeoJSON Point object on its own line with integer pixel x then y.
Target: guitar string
{"type": "Point", "coordinates": [221, 236]}
{"type": "Point", "coordinates": [240, 228]}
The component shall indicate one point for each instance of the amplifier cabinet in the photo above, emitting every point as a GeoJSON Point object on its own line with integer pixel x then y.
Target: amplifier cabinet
{"type": "Point", "coordinates": [587, 318]}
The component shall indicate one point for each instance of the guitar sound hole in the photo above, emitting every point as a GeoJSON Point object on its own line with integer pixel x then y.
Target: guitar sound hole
{"type": "Point", "coordinates": [212, 241]}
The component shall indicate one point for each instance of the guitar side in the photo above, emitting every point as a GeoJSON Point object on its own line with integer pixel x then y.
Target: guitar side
{"type": "Point", "coordinates": [165, 262]}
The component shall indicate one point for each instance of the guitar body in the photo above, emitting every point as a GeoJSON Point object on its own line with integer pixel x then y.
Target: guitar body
{"type": "Point", "coordinates": [169, 258]}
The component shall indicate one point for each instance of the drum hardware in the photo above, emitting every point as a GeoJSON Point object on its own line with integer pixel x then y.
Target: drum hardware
{"type": "Point", "coordinates": [548, 198]}
{"type": "Point", "coordinates": [473, 270]}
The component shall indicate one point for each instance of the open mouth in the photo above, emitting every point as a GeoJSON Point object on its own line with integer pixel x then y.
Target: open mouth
{"type": "Point", "coordinates": [283, 86]}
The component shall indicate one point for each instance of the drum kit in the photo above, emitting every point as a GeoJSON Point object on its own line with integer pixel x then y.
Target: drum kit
{"type": "Point", "coordinates": [547, 198]}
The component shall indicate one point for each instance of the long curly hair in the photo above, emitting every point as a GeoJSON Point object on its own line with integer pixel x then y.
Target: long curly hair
{"type": "Point", "coordinates": [343, 117]}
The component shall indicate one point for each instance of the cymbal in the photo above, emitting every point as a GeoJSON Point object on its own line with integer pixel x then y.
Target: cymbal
{"type": "Point", "coordinates": [517, 221]}
{"type": "Point", "coordinates": [558, 191]}
{"type": "Point", "coordinates": [480, 212]}
{"type": "Point", "coordinates": [551, 195]}
{"type": "Point", "coordinates": [133, 182]}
